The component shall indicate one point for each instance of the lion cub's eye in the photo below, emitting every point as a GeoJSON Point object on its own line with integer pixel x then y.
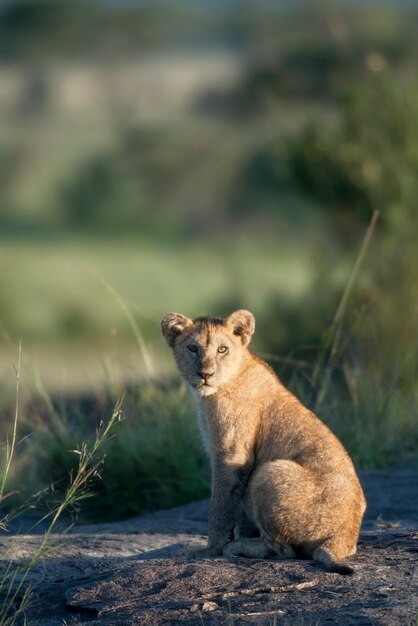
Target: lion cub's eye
{"type": "Point", "coordinates": [222, 349]}
{"type": "Point", "coordinates": [192, 347]}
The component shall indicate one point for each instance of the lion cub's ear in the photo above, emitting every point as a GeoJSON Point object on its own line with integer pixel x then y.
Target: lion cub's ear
{"type": "Point", "coordinates": [243, 325]}
{"type": "Point", "coordinates": [172, 325]}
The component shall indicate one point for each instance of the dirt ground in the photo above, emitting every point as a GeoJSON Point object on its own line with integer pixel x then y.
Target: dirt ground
{"type": "Point", "coordinates": [143, 571]}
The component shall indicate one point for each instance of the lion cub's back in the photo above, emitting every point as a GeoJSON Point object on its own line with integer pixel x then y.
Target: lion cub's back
{"type": "Point", "coordinates": [292, 431]}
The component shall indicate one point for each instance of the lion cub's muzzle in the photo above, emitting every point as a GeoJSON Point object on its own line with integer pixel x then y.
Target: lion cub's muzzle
{"type": "Point", "coordinates": [205, 374]}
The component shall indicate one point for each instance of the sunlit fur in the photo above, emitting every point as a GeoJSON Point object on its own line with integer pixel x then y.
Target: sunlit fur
{"type": "Point", "coordinates": [276, 468]}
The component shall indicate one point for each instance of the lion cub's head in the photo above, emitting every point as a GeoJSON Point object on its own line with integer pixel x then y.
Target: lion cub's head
{"type": "Point", "coordinates": [208, 350]}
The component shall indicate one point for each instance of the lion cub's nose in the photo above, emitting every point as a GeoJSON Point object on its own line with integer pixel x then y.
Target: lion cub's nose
{"type": "Point", "coordinates": [205, 374]}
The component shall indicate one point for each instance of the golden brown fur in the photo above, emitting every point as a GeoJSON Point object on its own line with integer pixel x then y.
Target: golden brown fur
{"type": "Point", "coordinates": [275, 466]}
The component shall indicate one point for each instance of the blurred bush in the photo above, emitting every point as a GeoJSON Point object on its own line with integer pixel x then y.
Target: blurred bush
{"type": "Point", "coordinates": [369, 161]}
{"type": "Point", "coordinates": [154, 458]}
{"type": "Point", "coordinates": [74, 63]}
{"type": "Point", "coordinates": [127, 188]}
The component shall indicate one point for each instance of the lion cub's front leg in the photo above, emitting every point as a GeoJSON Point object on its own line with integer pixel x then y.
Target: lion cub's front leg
{"type": "Point", "coordinates": [228, 485]}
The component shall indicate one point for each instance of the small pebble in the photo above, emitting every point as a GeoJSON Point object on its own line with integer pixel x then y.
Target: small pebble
{"type": "Point", "coordinates": [210, 606]}
{"type": "Point", "coordinates": [206, 606]}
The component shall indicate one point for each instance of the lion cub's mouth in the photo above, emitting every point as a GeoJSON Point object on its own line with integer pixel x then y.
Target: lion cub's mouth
{"type": "Point", "coordinates": [205, 388]}
{"type": "Point", "coordinates": [202, 384]}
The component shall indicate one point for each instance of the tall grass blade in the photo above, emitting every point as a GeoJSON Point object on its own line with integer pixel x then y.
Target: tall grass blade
{"type": "Point", "coordinates": [132, 322]}
{"type": "Point", "coordinates": [16, 594]}
{"type": "Point", "coordinates": [11, 448]}
{"type": "Point", "coordinates": [331, 344]}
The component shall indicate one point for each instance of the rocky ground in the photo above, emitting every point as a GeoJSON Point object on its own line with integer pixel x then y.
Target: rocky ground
{"type": "Point", "coordinates": [142, 571]}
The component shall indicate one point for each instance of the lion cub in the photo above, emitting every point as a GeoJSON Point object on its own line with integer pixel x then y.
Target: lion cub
{"type": "Point", "coordinates": [275, 465]}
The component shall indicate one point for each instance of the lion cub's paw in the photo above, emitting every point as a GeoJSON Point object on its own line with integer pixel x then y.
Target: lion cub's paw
{"type": "Point", "coordinates": [254, 548]}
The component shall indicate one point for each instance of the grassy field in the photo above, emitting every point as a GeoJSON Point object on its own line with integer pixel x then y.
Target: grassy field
{"type": "Point", "coordinates": [67, 300]}
{"type": "Point", "coordinates": [117, 295]}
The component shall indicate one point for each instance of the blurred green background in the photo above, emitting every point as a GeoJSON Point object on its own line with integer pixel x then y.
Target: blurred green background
{"type": "Point", "coordinates": [200, 157]}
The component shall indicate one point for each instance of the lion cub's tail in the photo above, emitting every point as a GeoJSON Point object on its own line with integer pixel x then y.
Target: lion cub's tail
{"type": "Point", "coordinates": [331, 563]}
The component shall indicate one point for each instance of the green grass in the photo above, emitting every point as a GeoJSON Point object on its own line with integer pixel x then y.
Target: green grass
{"type": "Point", "coordinates": [15, 590]}
{"type": "Point", "coordinates": [154, 459]}
{"type": "Point", "coordinates": [58, 304]}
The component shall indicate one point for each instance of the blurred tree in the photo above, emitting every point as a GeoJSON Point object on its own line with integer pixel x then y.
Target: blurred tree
{"type": "Point", "coordinates": [369, 161]}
